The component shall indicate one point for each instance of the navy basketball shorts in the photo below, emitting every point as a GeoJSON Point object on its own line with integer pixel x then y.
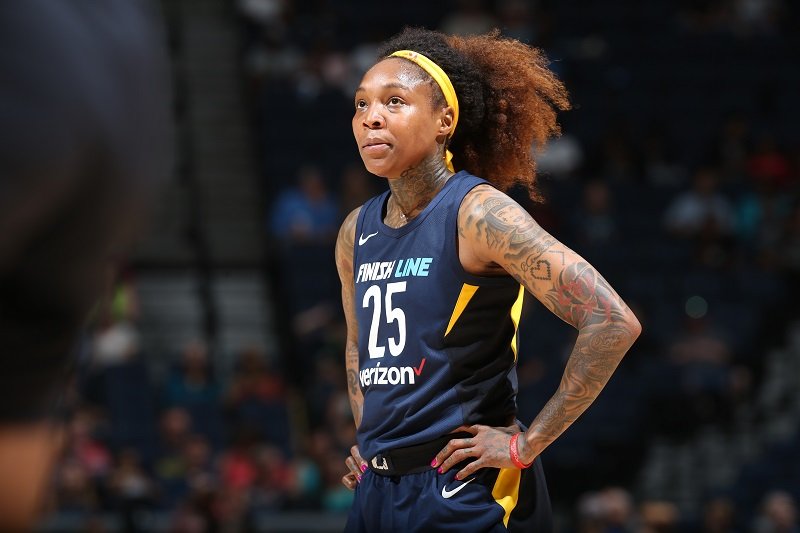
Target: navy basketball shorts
{"type": "Point", "coordinates": [491, 499]}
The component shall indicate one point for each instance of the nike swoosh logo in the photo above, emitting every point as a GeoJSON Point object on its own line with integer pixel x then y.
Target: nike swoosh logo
{"type": "Point", "coordinates": [449, 493]}
{"type": "Point", "coordinates": [362, 239]}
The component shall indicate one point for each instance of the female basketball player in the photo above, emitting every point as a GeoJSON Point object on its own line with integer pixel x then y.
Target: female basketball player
{"type": "Point", "coordinates": [433, 272]}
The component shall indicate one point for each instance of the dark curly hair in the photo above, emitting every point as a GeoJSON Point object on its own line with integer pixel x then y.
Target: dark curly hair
{"type": "Point", "coordinates": [508, 100]}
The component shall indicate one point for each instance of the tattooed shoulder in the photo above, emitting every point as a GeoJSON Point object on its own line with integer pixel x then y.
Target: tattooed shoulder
{"type": "Point", "coordinates": [502, 228]}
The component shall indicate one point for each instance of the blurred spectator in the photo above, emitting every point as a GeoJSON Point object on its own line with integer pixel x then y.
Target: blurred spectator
{"type": "Point", "coordinates": [91, 453]}
{"type": "Point", "coordinates": [124, 302]}
{"type": "Point", "coordinates": [271, 60]}
{"type": "Point", "coordinates": [660, 167]}
{"type": "Point", "coordinates": [114, 342]}
{"type": "Point", "coordinates": [231, 509]}
{"type": "Point", "coordinates": [170, 464]}
{"type": "Point", "coordinates": [469, 17]}
{"type": "Point", "coordinates": [340, 421]}
{"type": "Point", "coordinates": [256, 399]}
{"type": "Point", "coordinates": [757, 16]}
{"type": "Point", "coordinates": [516, 20]}
{"type": "Point", "coordinates": [190, 518]}
{"type": "Point", "coordinates": [197, 513]}
{"type": "Point", "coordinates": [264, 13]}
{"type": "Point", "coordinates": [268, 53]}
{"type": "Point", "coordinates": [701, 209]}
{"type": "Point", "coordinates": [305, 213]}
{"type": "Point", "coordinates": [714, 249]}
{"type": "Point", "coordinates": [116, 337]}
{"type": "Point", "coordinates": [561, 157]}
{"type": "Point", "coordinates": [197, 456]}
{"type": "Point", "coordinates": [237, 467]}
{"type": "Point", "coordinates": [336, 70]}
{"type": "Point", "coordinates": [74, 489]}
{"type": "Point", "coordinates": [619, 509]}
{"type": "Point", "coordinates": [254, 377]}
{"type": "Point", "coordinates": [699, 344]}
{"type": "Point", "coordinates": [131, 487]}
{"type": "Point", "coordinates": [658, 517]}
{"type": "Point", "coordinates": [238, 473]}
{"type": "Point", "coordinates": [328, 379]}
{"type": "Point", "coordinates": [778, 514]}
{"type": "Point", "coordinates": [336, 498]}
{"type": "Point", "coordinates": [607, 511]}
{"type": "Point", "coordinates": [618, 160]}
{"type": "Point", "coordinates": [595, 223]}
{"type": "Point", "coordinates": [767, 165]}
{"type": "Point", "coordinates": [305, 481]}
{"type": "Point", "coordinates": [175, 426]}
{"type": "Point", "coordinates": [590, 513]}
{"type": "Point", "coordinates": [705, 17]}
{"type": "Point", "coordinates": [761, 216]}
{"type": "Point", "coordinates": [192, 382]}
{"type": "Point", "coordinates": [703, 360]}
{"type": "Point", "coordinates": [273, 481]}
{"type": "Point", "coordinates": [718, 516]}
{"type": "Point", "coordinates": [730, 147]}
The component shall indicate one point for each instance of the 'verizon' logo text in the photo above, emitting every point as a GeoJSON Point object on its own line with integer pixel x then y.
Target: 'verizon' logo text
{"type": "Point", "coordinates": [390, 375]}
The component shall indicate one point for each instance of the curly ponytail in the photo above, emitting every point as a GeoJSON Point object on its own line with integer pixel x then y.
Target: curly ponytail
{"type": "Point", "coordinates": [507, 96]}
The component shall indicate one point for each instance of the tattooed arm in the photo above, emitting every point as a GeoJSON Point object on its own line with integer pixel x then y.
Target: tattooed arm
{"type": "Point", "coordinates": [355, 464]}
{"type": "Point", "coordinates": [344, 264]}
{"type": "Point", "coordinates": [496, 235]}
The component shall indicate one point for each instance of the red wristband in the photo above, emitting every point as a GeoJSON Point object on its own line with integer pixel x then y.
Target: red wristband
{"type": "Point", "coordinates": [515, 453]}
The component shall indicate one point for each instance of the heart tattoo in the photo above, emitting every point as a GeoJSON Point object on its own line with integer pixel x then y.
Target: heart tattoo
{"type": "Point", "coordinates": [539, 268]}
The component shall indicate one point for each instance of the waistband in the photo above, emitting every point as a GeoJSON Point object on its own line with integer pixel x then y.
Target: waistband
{"type": "Point", "coordinates": [411, 459]}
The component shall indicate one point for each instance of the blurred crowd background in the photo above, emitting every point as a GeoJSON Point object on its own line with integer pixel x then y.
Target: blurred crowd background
{"type": "Point", "coordinates": [210, 392]}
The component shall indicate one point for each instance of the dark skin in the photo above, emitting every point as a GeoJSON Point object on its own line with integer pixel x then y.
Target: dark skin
{"type": "Point", "coordinates": [395, 113]}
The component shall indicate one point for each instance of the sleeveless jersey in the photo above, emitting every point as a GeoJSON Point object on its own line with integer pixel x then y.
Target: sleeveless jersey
{"type": "Point", "coordinates": [437, 345]}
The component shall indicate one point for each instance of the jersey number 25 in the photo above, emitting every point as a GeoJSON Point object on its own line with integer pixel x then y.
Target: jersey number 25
{"type": "Point", "coordinates": [393, 314]}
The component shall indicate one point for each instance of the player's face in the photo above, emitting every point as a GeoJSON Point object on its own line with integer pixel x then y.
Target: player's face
{"type": "Point", "coordinates": [395, 123]}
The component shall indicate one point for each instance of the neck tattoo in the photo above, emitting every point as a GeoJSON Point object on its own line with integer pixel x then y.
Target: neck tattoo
{"type": "Point", "coordinates": [402, 211]}
{"type": "Point", "coordinates": [417, 186]}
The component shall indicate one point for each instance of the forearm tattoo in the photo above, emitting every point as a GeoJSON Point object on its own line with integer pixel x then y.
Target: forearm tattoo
{"type": "Point", "coordinates": [353, 389]}
{"type": "Point", "coordinates": [570, 288]}
{"type": "Point", "coordinates": [344, 264]}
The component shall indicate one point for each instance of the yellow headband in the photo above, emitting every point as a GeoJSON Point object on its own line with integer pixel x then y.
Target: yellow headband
{"type": "Point", "coordinates": [439, 76]}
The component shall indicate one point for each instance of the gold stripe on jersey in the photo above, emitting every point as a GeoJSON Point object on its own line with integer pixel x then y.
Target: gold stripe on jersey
{"type": "Point", "coordinates": [467, 292]}
{"type": "Point", "coordinates": [506, 490]}
{"type": "Point", "coordinates": [516, 312]}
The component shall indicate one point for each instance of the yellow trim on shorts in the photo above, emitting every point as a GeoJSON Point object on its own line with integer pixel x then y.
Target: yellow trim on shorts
{"type": "Point", "coordinates": [506, 490]}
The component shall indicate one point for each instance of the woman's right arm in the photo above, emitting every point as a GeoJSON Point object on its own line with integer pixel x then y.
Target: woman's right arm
{"type": "Point", "coordinates": [356, 465]}
{"type": "Point", "coordinates": [344, 264]}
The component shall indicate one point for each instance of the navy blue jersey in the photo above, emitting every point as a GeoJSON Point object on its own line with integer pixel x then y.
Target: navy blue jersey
{"type": "Point", "coordinates": [437, 345]}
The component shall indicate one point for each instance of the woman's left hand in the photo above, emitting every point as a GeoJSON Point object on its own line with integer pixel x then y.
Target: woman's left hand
{"type": "Point", "coordinates": [489, 446]}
